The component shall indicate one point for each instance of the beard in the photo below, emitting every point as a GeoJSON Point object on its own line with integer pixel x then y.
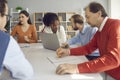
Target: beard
{"type": "Point", "coordinates": [92, 25]}
{"type": "Point", "coordinates": [75, 28]}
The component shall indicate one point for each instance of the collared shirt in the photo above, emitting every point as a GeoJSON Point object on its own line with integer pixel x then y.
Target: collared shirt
{"type": "Point", "coordinates": [103, 23]}
{"type": "Point", "coordinates": [83, 37]}
{"type": "Point", "coordinates": [16, 63]}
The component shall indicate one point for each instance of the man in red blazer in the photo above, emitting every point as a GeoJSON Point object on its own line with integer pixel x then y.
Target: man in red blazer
{"type": "Point", "coordinates": [106, 39]}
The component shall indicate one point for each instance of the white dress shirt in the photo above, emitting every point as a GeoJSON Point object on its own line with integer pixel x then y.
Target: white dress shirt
{"type": "Point", "coordinates": [16, 63]}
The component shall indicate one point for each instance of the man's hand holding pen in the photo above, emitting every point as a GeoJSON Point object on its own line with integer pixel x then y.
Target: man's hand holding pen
{"type": "Point", "coordinates": [63, 50]}
{"type": "Point", "coordinates": [65, 68]}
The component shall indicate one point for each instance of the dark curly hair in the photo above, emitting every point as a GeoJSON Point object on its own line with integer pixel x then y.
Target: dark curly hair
{"type": "Point", "coordinates": [2, 7]}
{"type": "Point", "coordinates": [50, 18]}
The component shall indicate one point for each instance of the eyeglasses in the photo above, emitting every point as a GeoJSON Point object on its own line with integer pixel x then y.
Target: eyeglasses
{"type": "Point", "coordinates": [7, 17]}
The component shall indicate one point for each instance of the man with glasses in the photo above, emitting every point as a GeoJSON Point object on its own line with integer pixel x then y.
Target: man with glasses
{"type": "Point", "coordinates": [7, 26]}
{"type": "Point", "coordinates": [11, 56]}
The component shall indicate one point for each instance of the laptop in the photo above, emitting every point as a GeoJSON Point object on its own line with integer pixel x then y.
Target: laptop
{"type": "Point", "coordinates": [50, 41]}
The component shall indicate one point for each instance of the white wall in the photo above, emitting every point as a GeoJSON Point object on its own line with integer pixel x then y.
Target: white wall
{"type": "Point", "coordinates": [54, 5]}
{"type": "Point", "coordinates": [114, 8]}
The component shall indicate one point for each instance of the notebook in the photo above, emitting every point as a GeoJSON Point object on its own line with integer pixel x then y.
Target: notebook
{"type": "Point", "coordinates": [50, 41]}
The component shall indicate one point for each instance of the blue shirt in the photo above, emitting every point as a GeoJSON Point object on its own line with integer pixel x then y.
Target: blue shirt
{"type": "Point", "coordinates": [83, 37]}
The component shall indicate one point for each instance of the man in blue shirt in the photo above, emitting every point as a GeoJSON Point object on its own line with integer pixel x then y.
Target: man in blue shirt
{"type": "Point", "coordinates": [84, 35]}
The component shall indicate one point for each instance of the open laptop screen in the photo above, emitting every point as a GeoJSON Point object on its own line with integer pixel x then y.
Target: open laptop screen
{"type": "Point", "coordinates": [50, 41]}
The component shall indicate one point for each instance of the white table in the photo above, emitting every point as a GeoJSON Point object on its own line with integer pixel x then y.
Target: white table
{"type": "Point", "coordinates": [44, 69]}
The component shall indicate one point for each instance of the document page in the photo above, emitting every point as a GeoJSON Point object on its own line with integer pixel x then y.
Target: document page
{"type": "Point", "coordinates": [68, 59]}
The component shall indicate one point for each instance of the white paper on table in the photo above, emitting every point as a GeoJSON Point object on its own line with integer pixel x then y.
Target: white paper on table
{"type": "Point", "coordinates": [25, 45]}
{"type": "Point", "coordinates": [68, 59]}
